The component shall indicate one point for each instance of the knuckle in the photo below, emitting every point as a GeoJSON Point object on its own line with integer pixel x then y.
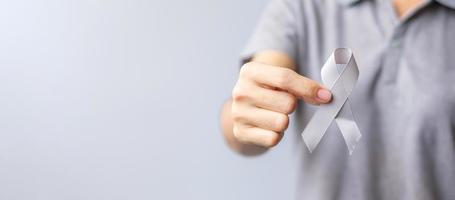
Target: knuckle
{"type": "Point", "coordinates": [284, 77]}
{"type": "Point", "coordinates": [237, 133]}
{"type": "Point", "coordinates": [240, 135]}
{"type": "Point", "coordinates": [238, 93]}
{"type": "Point", "coordinates": [236, 114]}
{"type": "Point", "coordinates": [289, 104]}
{"type": "Point", "coordinates": [271, 140]}
{"type": "Point", "coordinates": [281, 123]}
{"type": "Point", "coordinates": [246, 69]}
{"type": "Point", "coordinates": [310, 89]}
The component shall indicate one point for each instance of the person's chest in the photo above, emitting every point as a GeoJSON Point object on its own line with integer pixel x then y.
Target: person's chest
{"type": "Point", "coordinates": [405, 97]}
{"type": "Point", "coordinates": [405, 66]}
{"type": "Point", "coordinates": [403, 102]}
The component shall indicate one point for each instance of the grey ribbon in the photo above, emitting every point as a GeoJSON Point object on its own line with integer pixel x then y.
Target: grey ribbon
{"type": "Point", "coordinates": [340, 73]}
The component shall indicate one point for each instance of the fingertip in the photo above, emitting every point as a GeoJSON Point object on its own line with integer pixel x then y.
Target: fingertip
{"type": "Point", "coordinates": [323, 95]}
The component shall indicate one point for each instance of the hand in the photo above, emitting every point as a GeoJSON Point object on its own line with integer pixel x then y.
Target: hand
{"type": "Point", "coordinates": [264, 96]}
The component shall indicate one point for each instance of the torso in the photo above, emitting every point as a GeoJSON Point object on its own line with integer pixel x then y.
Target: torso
{"type": "Point", "coordinates": [404, 101]}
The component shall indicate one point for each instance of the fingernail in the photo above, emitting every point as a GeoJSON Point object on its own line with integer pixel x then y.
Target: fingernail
{"type": "Point", "coordinates": [324, 95]}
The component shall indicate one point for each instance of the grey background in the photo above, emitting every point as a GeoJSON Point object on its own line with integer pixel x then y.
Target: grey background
{"type": "Point", "coordinates": [110, 99]}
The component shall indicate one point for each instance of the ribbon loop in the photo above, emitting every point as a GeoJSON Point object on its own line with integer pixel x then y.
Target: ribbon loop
{"type": "Point", "coordinates": [340, 73]}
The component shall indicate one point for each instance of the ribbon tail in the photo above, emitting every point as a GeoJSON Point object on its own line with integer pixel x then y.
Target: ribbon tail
{"type": "Point", "coordinates": [320, 122]}
{"type": "Point", "coordinates": [348, 127]}
{"type": "Point", "coordinates": [316, 128]}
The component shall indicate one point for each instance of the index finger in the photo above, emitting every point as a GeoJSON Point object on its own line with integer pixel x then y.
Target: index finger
{"type": "Point", "coordinates": [290, 81]}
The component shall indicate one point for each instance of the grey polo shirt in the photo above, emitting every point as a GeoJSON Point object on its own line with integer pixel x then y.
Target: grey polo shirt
{"type": "Point", "coordinates": [404, 101]}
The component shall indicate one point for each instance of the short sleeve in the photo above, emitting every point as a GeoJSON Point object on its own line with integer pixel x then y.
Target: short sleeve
{"type": "Point", "coordinates": [276, 30]}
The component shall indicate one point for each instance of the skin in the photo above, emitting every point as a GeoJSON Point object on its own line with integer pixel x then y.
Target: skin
{"type": "Point", "coordinates": [404, 7]}
{"type": "Point", "coordinates": [256, 116]}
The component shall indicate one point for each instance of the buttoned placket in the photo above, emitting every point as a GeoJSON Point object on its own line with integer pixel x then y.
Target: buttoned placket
{"type": "Point", "coordinates": [396, 27]}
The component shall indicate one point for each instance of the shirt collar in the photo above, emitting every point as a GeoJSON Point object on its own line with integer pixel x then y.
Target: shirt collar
{"type": "Point", "coordinates": [447, 3]}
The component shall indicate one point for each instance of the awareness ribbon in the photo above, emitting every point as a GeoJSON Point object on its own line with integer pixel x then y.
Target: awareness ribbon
{"type": "Point", "coordinates": [340, 73]}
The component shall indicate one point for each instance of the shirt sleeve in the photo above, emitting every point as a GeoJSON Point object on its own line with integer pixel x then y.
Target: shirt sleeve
{"type": "Point", "coordinates": [276, 30]}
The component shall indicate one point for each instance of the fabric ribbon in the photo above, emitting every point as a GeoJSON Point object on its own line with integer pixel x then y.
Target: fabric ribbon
{"type": "Point", "coordinates": [340, 73]}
